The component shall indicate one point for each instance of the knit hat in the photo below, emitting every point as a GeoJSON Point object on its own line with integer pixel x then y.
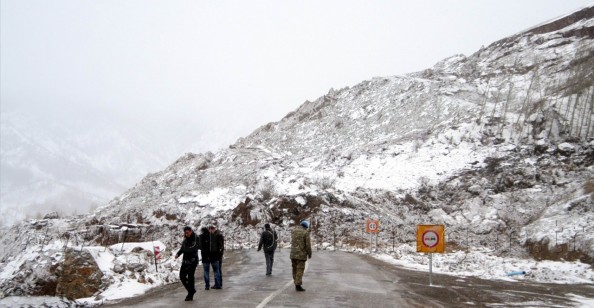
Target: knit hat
{"type": "Point", "coordinates": [304, 223]}
{"type": "Point", "coordinates": [267, 226]}
{"type": "Point", "coordinates": [187, 228]}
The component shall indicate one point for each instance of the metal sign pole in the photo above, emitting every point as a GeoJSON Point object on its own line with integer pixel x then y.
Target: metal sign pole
{"type": "Point", "coordinates": [362, 242]}
{"type": "Point", "coordinates": [154, 253]}
{"type": "Point", "coordinates": [430, 269]}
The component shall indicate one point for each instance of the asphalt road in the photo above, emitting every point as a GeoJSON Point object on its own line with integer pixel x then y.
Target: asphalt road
{"type": "Point", "coordinates": [339, 279]}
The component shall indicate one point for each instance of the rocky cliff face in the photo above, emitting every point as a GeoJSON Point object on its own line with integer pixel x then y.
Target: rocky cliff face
{"type": "Point", "coordinates": [511, 122]}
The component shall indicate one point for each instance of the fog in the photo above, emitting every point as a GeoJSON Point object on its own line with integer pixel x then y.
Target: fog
{"type": "Point", "coordinates": [229, 66]}
{"type": "Point", "coordinates": [193, 76]}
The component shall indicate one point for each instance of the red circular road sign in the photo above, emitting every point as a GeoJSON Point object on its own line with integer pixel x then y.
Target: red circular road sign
{"type": "Point", "coordinates": [430, 238]}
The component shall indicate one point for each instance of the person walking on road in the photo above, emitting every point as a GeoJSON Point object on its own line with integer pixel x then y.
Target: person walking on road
{"type": "Point", "coordinates": [190, 260]}
{"type": "Point", "coordinates": [268, 239]}
{"type": "Point", "coordinates": [300, 252]}
{"type": "Point", "coordinates": [210, 257]}
{"type": "Point", "coordinates": [220, 239]}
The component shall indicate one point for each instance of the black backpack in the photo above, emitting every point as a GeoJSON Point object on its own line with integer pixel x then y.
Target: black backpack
{"type": "Point", "coordinates": [270, 241]}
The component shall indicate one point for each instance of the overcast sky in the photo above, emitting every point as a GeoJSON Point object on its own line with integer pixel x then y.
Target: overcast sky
{"type": "Point", "coordinates": [219, 69]}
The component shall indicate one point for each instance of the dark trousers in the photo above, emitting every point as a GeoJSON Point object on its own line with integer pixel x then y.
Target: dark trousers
{"type": "Point", "coordinates": [221, 271]}
{"type": "Point", "coordinates": [269, 255]}
{"type": "Point", "coordinates": [215, 269]}
{"type": "Point", "coordinates": [186, 275]}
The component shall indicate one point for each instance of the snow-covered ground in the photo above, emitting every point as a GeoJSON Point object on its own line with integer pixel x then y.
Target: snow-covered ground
{"type": "Point", "coordinates": [129, 269]}
{"type": "Point", "coordinates": [477, 262]}
{"type": "Point", "coordinates": [481, 263]}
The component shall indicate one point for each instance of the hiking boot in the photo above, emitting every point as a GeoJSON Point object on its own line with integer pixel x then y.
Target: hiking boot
{"type": "Point", "coordinates": [217, 287]}
{"type": "Point", "coordinates": [190, 296]}
{"type": "Point", "coordinates": [207, 288]}
{"type": "Point", "coordinates": [299, 288]}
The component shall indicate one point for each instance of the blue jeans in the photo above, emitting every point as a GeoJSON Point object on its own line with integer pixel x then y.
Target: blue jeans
{"type": "Point", "coordinates": [215, 268]}
{"type": "Point", "coordinates": [269, 261]}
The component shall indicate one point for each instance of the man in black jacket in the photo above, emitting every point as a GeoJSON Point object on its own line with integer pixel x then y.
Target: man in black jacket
{"type": "Point", "coordinates": [211, 254]}
{"type": "Point", "coordinates": [268, 239]}
{"type": "Point", "coordinates": [189, 249]}
{"type": "Point", "coordinates": [218, 236]}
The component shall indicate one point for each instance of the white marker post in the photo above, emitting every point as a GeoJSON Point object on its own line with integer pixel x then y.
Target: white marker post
{"type": "Point", "coordinates": [430, 269]}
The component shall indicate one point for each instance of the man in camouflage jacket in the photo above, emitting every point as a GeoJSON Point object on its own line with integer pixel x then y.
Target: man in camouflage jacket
{"type": "Point", "coordinates": [300, 251]}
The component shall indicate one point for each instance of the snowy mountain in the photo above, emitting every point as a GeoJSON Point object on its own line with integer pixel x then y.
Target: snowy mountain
{"type": "Point", "coordinates": [67, 167]}
{"type": "Point", "coordinates": [510, 124]}
{"type": "Point", "coordinates": [498, 146]}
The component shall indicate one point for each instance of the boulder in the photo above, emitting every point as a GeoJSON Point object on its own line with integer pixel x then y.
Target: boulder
{"type": "Point", "coordinates": [52, 215]}
{"type": "Point", "coordinates": [81, 277]}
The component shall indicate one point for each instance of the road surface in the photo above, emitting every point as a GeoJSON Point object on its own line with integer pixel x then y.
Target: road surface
{"type": "Point", "coordinates": [340, 279]}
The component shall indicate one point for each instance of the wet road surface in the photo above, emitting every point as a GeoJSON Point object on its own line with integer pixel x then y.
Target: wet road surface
{"type": "Point", "coordinates": [339, 279]}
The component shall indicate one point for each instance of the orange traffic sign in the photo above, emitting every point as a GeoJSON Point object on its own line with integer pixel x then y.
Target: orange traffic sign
{"type": "Point", "coordinates": [372, 226]}
{"type": "Point", "coordinates": [431, 238]}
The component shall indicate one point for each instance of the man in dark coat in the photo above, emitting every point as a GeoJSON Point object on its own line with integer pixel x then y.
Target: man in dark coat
{"type": "Point", "coordinates": [218, 236]}
{"type": "Point", "coordinates": [211, 254]}
{"type": "Point", "coordinates": [190, 260]}
{"type": "Point", "coordinates": [268, 240]}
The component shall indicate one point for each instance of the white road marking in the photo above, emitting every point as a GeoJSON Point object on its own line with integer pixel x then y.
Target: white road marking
{"type": "Point", "coordinates": [270, 297]}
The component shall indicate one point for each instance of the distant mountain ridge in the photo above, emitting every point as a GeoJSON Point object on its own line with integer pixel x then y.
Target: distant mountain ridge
{"type": "Point", "coordinates": [63, 169]}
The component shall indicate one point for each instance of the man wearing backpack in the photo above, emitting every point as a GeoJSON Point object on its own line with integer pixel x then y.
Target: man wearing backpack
{"type": "Point", "coordinates": [268, 239]}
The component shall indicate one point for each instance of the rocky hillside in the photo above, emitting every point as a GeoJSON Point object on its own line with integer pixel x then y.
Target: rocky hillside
{"type": "Point", "coordinates": [510, 122]}
{"type": "Point", "coordinates": [498, 146]}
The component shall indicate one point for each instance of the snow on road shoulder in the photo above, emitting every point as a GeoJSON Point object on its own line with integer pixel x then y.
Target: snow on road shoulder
{"type": "Point", "coordinates": [481, 264]}
{"type": "Point", "coordinates": [584, 302]}
{"type": "Point", "coordinates": [130, 271]}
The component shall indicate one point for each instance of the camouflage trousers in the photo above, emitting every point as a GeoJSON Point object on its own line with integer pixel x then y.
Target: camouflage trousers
{"type": "Point", "coordinates": [298, 269]}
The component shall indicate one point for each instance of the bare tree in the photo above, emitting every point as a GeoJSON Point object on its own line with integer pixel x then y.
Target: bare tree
{"type": "Point", "coordinates": [527, 98]}
{"type": "Point", "coordinates": [497, 96]}
{"type": "Point", "coordinates": [485, 98]}
{"type": "Point", "coordinates": [575, 107]}
{"type": "Point", "coordinates": [585, 112]}
{"type": "Point", "coordinates": [567, 106]}
{"type": "Point", "coordinates": [506, 106]}
{"type": "Point", "coordinates": [591, 116]}
{"type": "Point", "coordinates": [581, 79]}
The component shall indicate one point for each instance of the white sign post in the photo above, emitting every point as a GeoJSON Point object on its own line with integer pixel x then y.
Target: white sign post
{"type": "Point", "coordinates": [157, 253]}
